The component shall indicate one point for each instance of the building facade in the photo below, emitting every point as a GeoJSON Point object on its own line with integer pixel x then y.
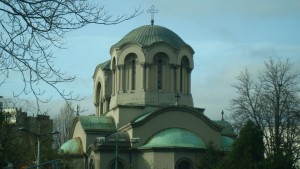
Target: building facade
{"type": "Point", "coordinates": [145, 115]}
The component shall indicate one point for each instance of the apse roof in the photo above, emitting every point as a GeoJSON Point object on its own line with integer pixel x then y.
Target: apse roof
{"type": "Point", "coordinates": [104, 65]}
{"type": "Point", "coordinates": [97, 122]}
{"type": "Point", "coordinates": [150, 34]}
{"type": "Point", "coordinates": [175, 137]}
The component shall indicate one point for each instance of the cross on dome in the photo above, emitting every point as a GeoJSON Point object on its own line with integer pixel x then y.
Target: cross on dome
{"type": "Point", "coordinates": [152, 11]}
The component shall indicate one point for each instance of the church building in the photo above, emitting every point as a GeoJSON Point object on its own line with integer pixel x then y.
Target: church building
{"type": "Point", "coordinates": [145, 116]}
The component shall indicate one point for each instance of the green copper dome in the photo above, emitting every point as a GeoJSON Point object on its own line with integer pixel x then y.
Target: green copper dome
{"type": "Point", "coordinates": [150, 34]}
{"type": "Point", "coordinates": [175, 137]}
{"type": "Point", "coordinates": [71, 147]}
{"type": "Point", "coordinates": [227, 128]}
{"type": "Point", "coordinates": [226, 143]}
{"type": "Point", "coordinates": [97, 123]}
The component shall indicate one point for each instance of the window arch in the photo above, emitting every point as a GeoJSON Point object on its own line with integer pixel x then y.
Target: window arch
{"type": "Point", "coordinates": [130, 71]}
{"type": "Point", "coordinates": [120, 164]}
{"type": "Point", "coordinates": [184, 164]}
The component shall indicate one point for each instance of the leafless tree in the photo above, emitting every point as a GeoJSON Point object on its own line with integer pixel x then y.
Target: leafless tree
{"type": "Point", "coordinates": [31, 28]}
{"type": "Point", "coordinates": [63, 123]}
{"type": "Point", "coordinates": [272, 100]}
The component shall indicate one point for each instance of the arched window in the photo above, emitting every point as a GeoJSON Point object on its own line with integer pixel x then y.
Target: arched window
{"type": "Point", "coordinates": [184, 164]}
{"type": "Point", "coordinates": [184, 75]}
{"type": "Point", "coordinates": [161, 67]}
{"type": "Point", "coordinates": [130, 72]}
{"type": "Point", "coordinates": [119, 163]}
{"type": "Point", "coordinates": [159, 74]}
{"type": "Point", "coordinates": [133, 74]}
{"type": "Point", "coordinates": [98, 99]}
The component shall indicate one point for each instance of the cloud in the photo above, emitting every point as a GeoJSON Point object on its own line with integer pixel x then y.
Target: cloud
{"type": "Point", "coordinates": [217, 64]}
{"type": "Point", "coordinates": [198, 9]}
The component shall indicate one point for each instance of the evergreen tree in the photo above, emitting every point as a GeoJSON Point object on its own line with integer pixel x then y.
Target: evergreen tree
{"type": "Point", "coordinates": [211, 158]}
{"type": "Point", "coordinates": [248, 149]}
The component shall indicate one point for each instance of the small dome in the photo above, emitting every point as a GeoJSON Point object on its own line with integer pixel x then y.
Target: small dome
{"type": "Point", "coordinates": [227, 128]}
{"type": "Point", "coordinates": [71, 147]}
{"type": "Point", "coordinates": [150, 34]}
{"type": "Point", "coordinates": [226, 143]}
{"type": "Point", "coordinates": [175, 137]}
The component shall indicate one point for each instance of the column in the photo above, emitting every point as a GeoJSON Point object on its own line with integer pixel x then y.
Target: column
{"type": "Point", "coordinates": [113, 82]}
{"type": "Point", "coordinates": [142, 76]}
{"type": "Point", "coordinates": [189, 81]}
{"type": "Point", "coordinates": [177, 80]}
{"type": "Point", "coordinates": [121, 82]}
{"type": "Point", "coordinates": [117, 82]}
{"type": "Point", "coordinates": [172, 78]}
{"type": "Point", "coordinates": [147, 78]}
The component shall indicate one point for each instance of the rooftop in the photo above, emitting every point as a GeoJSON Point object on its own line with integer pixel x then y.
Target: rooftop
{"type": "Point", "coordinates": [150, 34]}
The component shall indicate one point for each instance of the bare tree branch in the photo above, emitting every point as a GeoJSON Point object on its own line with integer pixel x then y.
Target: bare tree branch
{"type": "Point", "coordinates": [30, 28]}
{"type": "Point", "coordinates": [272, 100]}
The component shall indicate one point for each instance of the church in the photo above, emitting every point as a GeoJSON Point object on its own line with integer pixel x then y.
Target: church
{"type": "Point", "coordinates": [145, 116]}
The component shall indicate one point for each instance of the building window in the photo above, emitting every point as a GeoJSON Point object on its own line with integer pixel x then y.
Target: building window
{"type": "Point", "coordinates": [184, 75]}
{"type": "Point", "coordinates": [120, 164]}
{"type": "Point", "coordinates": [161, 71]}
{"type": "Point", "coordinates": [184, 164]}
{"type": "Point", "coordinates": [98, 99]}
{"type": "Point", "coordinates": [133, 74]}
{"type": "Point", "coordinates": [130, 72]}
{"type": "Point", "coordinates": [159, 74]}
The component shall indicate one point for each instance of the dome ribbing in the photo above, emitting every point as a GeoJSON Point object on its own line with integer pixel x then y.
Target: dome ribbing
{"type": "Point", "coordinates": [150, 34]}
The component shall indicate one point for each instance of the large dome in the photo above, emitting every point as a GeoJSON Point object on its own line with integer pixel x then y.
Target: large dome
{"type": "Point", "coordinates": [175, 137]}
{"type": "Point", "coordinates": [150, 34]}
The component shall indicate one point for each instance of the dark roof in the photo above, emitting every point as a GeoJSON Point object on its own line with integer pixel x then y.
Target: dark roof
{"type": "Point", "coordinates": [104, 65]}
{"type": "Point", "coordinates": [150, 34]}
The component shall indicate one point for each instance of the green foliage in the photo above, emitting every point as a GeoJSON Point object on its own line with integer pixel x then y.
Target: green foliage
{"type": "Point", "coordinates": [211, 158]}
{"type": "Point", "coordinates": [247, 151]}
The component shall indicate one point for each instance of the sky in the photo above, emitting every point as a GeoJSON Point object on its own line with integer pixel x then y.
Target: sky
{"type": "Point", "coordinates": [227, 37]}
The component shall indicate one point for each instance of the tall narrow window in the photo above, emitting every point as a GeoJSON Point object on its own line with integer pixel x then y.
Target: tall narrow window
{"type": "Point", "coordinates": [133, 74]}
{"type": "Point", "coordinates": [130, 72]}
{"type": "Point", "coordinates": [184, 76]}
{"type": "Point", "coordinates": [159, 74]}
